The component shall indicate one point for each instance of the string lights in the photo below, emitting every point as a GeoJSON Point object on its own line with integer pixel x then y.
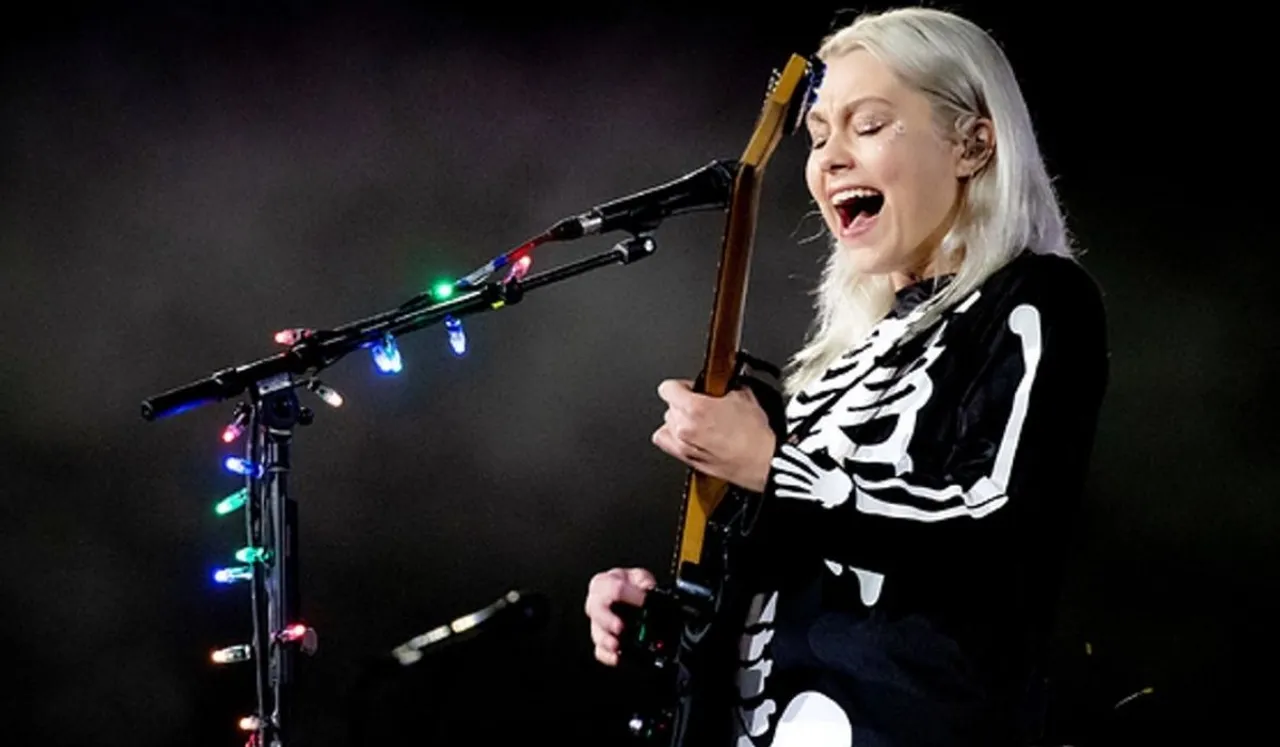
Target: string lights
{"type": "Point", "coordinates": [328, 394]}
{"type": "Point", "coordinates": [232, 503]}
{"type": "Point", "coordinates": [264, 562]}
{"type": "Point", "coordinates": [518, 270]}
{"type": "Point", "coordinates": [242, 467]}
{"type": "Point", "coordinates": [259, 563]}
{"type": "Point", "coordinates": [386, 356]}
{"type": "Point", "coordinates": [236, 427]}
{"type": "Point", "coordinates": [293, 336]}
{"type": "Point", "coordinates": [251, 555]}
{"type": "Point", "coordinates": [457, 336]}
{"type": "Point", "coordinates": [233, 574]}
{"type": "Point", "coordinates": [232, 654]}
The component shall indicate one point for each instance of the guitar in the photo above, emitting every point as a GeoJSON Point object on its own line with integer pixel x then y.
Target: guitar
{"type": "Point", "coordinates": [682, 641]}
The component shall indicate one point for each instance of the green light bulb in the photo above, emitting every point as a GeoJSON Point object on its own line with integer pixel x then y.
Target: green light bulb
{"type": "Point", "coordinates": [250, 554]}
{"type": "Point", "coordinates": [232, 502]}
{"type": "Point", "coordinates": [442, 290]}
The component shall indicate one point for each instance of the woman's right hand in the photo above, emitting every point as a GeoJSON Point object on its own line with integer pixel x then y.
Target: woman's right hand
{"type": "Point", "coordinates": [625, 585]}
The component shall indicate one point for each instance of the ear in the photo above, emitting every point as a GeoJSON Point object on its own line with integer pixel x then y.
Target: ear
{"type": "Point", "coordinates": [975, 148]}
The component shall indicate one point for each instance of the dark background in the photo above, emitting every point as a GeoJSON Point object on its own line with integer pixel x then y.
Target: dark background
{"type": "Point", "coordinates": [177, 183]}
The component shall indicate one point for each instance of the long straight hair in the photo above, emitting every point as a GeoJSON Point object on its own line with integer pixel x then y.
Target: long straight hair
{"type": "Point", "coordinates": [1007, 207]}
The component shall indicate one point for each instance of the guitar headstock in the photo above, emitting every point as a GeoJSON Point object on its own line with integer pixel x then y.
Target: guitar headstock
{"type": "Point", "coordinates": [801, 105]}
{"type": "Point", "coordinates": [791, 91]}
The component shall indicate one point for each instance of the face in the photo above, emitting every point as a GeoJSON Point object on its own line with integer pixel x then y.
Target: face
{"type": "Point", "coordinates": [887, 182]}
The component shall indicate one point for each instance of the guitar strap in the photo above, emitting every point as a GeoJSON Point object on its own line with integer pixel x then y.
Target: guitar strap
{"type": "Point", "coordinates": [767, 394]}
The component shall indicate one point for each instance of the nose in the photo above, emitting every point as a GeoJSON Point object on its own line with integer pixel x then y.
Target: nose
{"type": "Point", "coordinates": [833, 156]}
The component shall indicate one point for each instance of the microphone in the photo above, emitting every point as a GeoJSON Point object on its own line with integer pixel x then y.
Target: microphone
{"type": "Point", "coordinates": [515, 611]}
{"type": "Point", "coordinates": [707, 188]}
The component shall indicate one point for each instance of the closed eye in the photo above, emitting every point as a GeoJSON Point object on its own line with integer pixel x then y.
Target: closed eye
{"type": "Point", "coordinates": [818, 133]}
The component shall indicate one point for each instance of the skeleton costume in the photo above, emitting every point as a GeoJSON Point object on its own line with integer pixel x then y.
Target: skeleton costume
{"type": "Point", "coordinates": [915, 517]}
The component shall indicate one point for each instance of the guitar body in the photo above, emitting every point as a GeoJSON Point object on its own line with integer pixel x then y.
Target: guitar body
{"type": "Point", "coordinates": [682, 645]}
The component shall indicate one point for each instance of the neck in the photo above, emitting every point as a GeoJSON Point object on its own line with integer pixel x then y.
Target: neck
{"type": "Point", "coordinates": [939, 263]}
{"type": "Point", "coordinates": [933, 261]}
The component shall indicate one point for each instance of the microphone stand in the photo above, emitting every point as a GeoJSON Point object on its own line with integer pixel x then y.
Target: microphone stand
{"type": "Point", "coordinates": [271, 416]}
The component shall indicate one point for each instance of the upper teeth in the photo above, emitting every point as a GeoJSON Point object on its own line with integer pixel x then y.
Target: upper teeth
{"type": "Point", "coordinates": [845, 195]}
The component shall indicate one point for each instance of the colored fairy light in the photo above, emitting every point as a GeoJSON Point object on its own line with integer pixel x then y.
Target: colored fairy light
{"type": "Point", "coordinates": [442, 291]}
{"type": "Point", "coordinates": [293, 633]}
{"type": "Point", "coordinates": [250, 723]}
{"type": "Point", "coordinates": [243, 467]}
{"type": "Point", "coordinates": [386, 356]}
{"type": "Point", "coordinates": [325, 392]}
{"type": "Point", "coordinates": [232, 502]}
{"type": "Point", "coordinates": [457, 336]}
{"type": "Point", "coordinates": [232, 654]}
{"type": "Point", "coordinates": [237, 425]}
{"type": "Point", "coordinates": [251, 554]}
{"type": "Point", "coordinates": [292, 336]}
{"type": "Point", "coordinates": [233, 574]}
{"type": "Point", "coordinates": [518, 269]}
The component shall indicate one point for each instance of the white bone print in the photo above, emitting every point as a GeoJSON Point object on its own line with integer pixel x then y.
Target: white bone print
{"type": "Point", "coordinates": [884, 393]}
{"type": "Point", "coordinates": [752, 677]}
{"type": "Point", "coordinates": [799, 476]}
{"type": "Point", "coordinates": [869, 582]}
{"type": "Point", "coordinates": [813, 719]}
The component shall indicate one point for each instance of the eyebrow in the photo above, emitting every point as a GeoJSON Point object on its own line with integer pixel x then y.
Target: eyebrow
{"type": "Point", "coordinates": [813, 116]}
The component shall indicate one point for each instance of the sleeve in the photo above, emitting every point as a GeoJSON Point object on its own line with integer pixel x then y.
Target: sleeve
{"type": "Point", "coordinates": [1021, 433]}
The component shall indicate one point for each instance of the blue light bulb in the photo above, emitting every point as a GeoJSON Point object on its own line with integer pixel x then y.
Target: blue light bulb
{"type": "Point", "coordinates": [457, 337]}
{"type": "Point", "coordinates": [386, 356]}
{"type": "Point", "coordinates": [233, 574]}
{"type": "Point", "coordinates": [243, 467]}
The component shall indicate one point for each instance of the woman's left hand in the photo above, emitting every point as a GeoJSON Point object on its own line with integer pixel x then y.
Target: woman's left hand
{"type": "Point", "coordinates": [726, 437]}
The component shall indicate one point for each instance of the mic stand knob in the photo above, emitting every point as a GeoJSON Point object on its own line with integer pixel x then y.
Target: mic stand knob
{"type": "Point", "coordinates": [635, 247]}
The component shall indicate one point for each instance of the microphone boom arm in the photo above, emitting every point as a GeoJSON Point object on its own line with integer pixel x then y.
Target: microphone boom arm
{"type": "Point", "coordinates": [324, 348]}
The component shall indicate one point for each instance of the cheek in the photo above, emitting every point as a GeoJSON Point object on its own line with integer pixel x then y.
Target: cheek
{"type": "Point", "coordinates": [936, 186]}
{"type": "Point", "coordinates": [813, 178]}
{"type": "Point", "coordinates": [910, 168]}
{"type": "Point", "coordinates": [887, 160]}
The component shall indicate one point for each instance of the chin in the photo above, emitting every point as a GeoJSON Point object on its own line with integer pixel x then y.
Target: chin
{"type": "Point", "coordinates": [868, 259]}
{"type": "Point", "coordinates": [870, 251]}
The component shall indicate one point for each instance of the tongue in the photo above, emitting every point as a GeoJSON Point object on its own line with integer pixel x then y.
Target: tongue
{"type": "Point", "coordinates": [861, 219]}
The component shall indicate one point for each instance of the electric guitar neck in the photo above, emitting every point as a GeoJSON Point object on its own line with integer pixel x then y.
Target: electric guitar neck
{"type": "Point", "coordinates": [783, 102]}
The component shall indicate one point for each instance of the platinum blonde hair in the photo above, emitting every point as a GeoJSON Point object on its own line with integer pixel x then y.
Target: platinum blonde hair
{"type": "Point", "coordinates": [1007, 206]}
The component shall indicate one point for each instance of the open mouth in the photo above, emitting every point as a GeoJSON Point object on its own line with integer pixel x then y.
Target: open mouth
{"type": "Point", "coordinates": [856, 207]}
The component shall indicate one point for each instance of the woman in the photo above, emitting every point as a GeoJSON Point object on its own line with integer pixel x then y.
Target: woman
{"type": "Point", "coordinates": [940, 416]}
